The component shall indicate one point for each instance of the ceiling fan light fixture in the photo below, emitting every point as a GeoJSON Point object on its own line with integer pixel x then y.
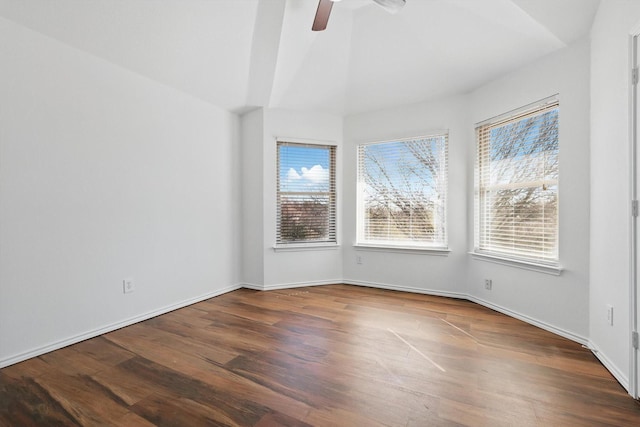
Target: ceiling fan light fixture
{"type": "Point", "coordinates": [391, 6]}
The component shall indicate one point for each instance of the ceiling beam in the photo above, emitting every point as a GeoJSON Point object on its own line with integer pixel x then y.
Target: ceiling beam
{"type": "Point", "coordinates": [264, 51]}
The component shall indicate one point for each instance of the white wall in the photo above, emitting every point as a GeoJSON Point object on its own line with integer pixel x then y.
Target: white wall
{"type": "Point", "coordinates": [104, 175]}
{"type": "Point", "coordinates": [560, 302]}
{"type": "Point", "coordinates": [610, 182]}
{"type": "Point", "coordinates": [299, 267]}
{"type": "Point", "coordinates": [417, 272]}
{"type": "Point", "coordinates": [252, 150]}
{"type": "Point", "coordinates": [282, 268]}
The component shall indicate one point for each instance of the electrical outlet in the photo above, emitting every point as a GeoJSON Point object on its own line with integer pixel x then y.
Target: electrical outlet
{"type": "Point", "coordinates": [488, 284]}
{"type": "Point", "coordinates": [128, 286]}
{"type": "Point", "coordinates": [358, 259]}
{"type": "Point", "coordinates": [610, 315]}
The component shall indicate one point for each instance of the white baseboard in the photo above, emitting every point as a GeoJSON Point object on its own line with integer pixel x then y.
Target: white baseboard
{"type": "Point", "coordinates": [617, 373]}
{"type": "Point", "coordinates": [532, 321]}
{"type": "Point", "coordinates": [252, 286]}
{"type": "Point", "coordinates": [111, 327]}
{"type": "Point", "coordinates": [291, 285]}
{"type": "Point", "coordinates": [460, 295]}
{"type": "Point", "coordinates": [457, 295]}
{"type": "Point", "coordinates": [611, 367]}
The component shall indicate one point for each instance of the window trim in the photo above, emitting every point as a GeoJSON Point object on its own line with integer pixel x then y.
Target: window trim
{"type": "Point", "coordinates": [553, 269]}
{"type": "Point", "coordinates": [303, 245]}
{"type": "Point", "coordinates": [402, 246]}
{"type": "Point", "coordinates": [529, 263]}
{"type": "Point", "coordinates": [289, 247]}
{"type": "Point", "coordinates": [422, 250]}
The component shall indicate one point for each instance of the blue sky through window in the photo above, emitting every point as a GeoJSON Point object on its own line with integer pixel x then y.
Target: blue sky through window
{"type": "Point", "coordinates": [525, 150]}
{"type": "Point", "coordinates": [304, 168]}
{"type": "Point", "coordinates": [393, 166]}
{"type": "Point", "coordinates": [534, 135]}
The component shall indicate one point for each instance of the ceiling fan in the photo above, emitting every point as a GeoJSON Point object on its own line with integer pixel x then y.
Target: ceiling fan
{"type": "Point", "coordinates": [324, 10]}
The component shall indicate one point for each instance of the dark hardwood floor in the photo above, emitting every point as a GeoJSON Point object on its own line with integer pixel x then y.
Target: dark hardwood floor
{"type": "Point", "coordinates": [323, 356]}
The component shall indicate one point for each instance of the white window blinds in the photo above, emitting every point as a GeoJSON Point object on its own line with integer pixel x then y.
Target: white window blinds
{"type": "Point", "coordinates": [306, 193]}
{"type": "Point", "coordinates": [516, 197]}
{"type": "Point", "coordinates": [402, 192]}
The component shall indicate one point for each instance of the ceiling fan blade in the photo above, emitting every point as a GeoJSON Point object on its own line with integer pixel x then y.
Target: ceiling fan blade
{"type": "Point", "coordinates": [322, 15]}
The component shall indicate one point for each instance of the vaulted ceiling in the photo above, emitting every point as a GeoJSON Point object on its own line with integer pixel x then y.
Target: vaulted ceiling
{"type": "Point", "coordinates": [240, 54]}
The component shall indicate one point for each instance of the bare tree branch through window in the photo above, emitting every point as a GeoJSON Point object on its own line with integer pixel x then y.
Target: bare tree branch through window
{"type": "Point", "coordinates": [403, 192]}
{"type": "Point", "coordinates": [517, 184]}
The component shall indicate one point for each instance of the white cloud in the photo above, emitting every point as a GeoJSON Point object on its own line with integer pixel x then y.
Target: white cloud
{"type": "Point", "coordinates": [315, 178]}
{"type": "Point", "coordinates": [293, 175]}
{"type": "Point", "coordinates": [317, 174]}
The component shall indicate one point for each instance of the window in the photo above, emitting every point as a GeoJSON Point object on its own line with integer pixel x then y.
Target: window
{"type": "Point", "coordinates": [306, 193]}
{"type": "Point", "coordinates": [402, 193]}
{"type": "Point", "coordinates": [516, 197]}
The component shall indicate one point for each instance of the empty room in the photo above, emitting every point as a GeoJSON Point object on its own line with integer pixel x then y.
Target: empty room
{"type": "Point", "coordinates": [319, 213]}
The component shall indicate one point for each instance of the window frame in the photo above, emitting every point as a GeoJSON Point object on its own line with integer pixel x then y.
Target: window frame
{"type": "Point", "coordinates": [332, 241]}
{"type": "Point", "coordinates": [491, 253]}
{"type": "Point", "coordinates": [440, 248]}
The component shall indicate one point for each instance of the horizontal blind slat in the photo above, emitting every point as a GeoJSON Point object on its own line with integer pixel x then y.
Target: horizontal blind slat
{"type": "Point", "coordinates": [306, 194]}
{"type": "Point", "coordinates": [402, 188]}
{"type": "Point", "coordinates": [516, 197]}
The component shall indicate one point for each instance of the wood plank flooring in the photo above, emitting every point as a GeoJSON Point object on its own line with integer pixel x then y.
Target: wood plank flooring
{"type": "Point", "coordinates": [323, 356]}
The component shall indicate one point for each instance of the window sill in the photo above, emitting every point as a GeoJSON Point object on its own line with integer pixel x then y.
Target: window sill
{"type": "Point", "coordinates": [403, 249]}
{"type": "Point", "coordinates": [555, 270]}
{"type": "Point", "coordinates": [295, 247]}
